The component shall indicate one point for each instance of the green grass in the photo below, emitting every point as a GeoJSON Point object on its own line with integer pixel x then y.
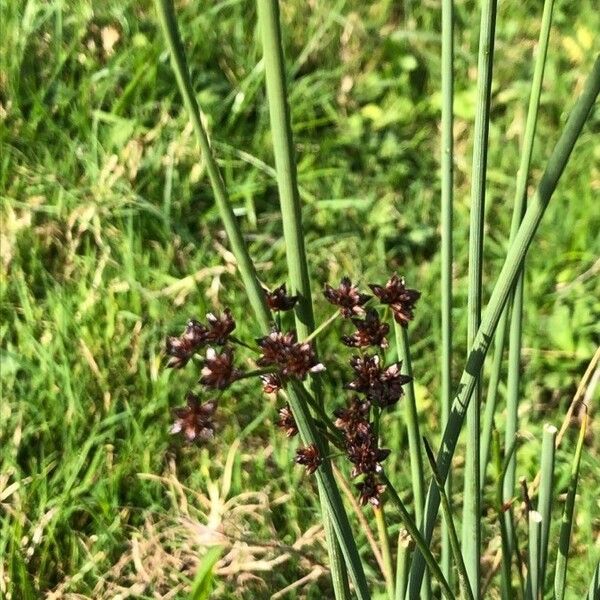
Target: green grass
{"type": "Point", "coordinates": [106, 219]}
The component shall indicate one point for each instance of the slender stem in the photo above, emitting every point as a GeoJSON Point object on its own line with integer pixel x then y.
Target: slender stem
{"type": "Point", "coordinates": [567, 518]}
{"type": "Point", "coordinates": [322, 327]}
{"type": "Point", "coordinates": [250, 280]}
{"type": "Point", "coordinates": [412, 426]}
{"type": "Point", "coordinates": [366, 528]}
{"type": "Point", "coordinates": [544, 505]}
{"type": "Point", "coordinates": [507, 278]}
{"type": "Point", "coordinates": [447, 164]}
{"type": "Point", "coordinates": [385, 551]}
{"type": "Point", "coordinates": [285, 163]}
{"type": "Point", "coordinates": [506, 582]}
{"type": "Point", "coordinates": [471, 531]}
{"type": "Point", "coordinates": [491, 397]}
{"type": "Point", "coordinates": [291, 213]}
{"type": "Point", "coordinates": [418, 539]}
{"type": "Point", "coordinates": [463, 577]}
{"type": "Point", "coordinates": [518, 209]}
{"type": "Point", "coordinates": [405, 547]}
{"type": "Point", "coordinates": [533, 569]}
{"type": "Point", "coordinates": [332, 500]}
{"type": "Point", "coordinates": [516, 317]}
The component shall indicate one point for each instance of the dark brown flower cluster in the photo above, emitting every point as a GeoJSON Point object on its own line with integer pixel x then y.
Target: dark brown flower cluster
{"type": "Point", "coordinates": [196, 335]}
{"type": "Point", "coordinates": [194, 420]}
{"type": "Point", "coordinates": [401, 299]}
{"type": "Point", "coordinates": [309, 457]}
{"type": "Point", "coordinates": [282, 357]}
{"type": "Point", "coordinates": [278, 299]}
{"type": "Point", "coordinates": [370, 331]}
{"type": "Point", "coordinates": [383, 386]}
{"type": "Point", "coordinates": [362, 448]}
{"type": "Point", "coordinates": [292, 358]}
{"type": "Point", "coordinates": [347, 297]}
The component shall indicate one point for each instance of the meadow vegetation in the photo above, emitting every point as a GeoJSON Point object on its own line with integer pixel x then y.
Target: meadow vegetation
{"type": "Point", "coordinates": [111, 240]}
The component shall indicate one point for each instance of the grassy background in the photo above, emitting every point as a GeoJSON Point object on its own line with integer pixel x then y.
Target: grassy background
{"type": "Point", "coordinates": [110, 240]}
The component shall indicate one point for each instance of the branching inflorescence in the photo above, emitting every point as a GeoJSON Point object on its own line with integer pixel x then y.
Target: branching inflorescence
{"type": "Point", "coordinates": [280, 357]}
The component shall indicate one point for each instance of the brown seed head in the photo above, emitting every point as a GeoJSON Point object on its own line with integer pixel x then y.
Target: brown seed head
{"type": "Point", "coordinates": [219, 327]}
{"type": "Point", "coordinates": [218, 371]}
{"type": "Point", "coordinates": [347, 297]}
{"type": "Point", "coordinates": [309, 457]}
{"type": "Point", "coordinates": [279, 300]}
{"type": "Point", "coordinates": [401, 299]}
{"type": "Point", "coordinates": [293, 358]}
{"type": "Point", "coordinates": [181, 349]}
{"type": "Point", "coordinates": [370, 331]}
{"type": "Point", "coordinates": [382, 386]}
{"type": "Point", "coordinates": [370, 491]}
{"type": "Point", "coordinates": [271, 383]}
{"type": "Point", "coordinates": [194, 421]}
{"type": "Point", "coordinates": [287, 422]}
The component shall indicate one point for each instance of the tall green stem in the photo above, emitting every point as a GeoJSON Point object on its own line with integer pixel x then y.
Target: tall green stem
{"type": "Point", "coordinates": [285, 163]}
{"type": "Point", "coordinates": [564, 542]}
{"type": "Point", "coordinates": [507, 278]}
{"type": "Point", "coordinates": [471, 531]}
{"type": "Point", "coordinates": [447, 163]}
{"type": "Point", "coordinates": [412, 426]}
{"type": "Point", "coordinates": [518, 210]}
{"type": "Point", "coordinates": [385, 551]}
{"type": "Point", "coordinates": [291, 213]}
{"type": "Point", "coordinates": [545, 497]}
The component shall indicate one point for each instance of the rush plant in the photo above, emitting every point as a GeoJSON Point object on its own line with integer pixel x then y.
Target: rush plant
{"type": "Point", "coordinates": [288, 364]}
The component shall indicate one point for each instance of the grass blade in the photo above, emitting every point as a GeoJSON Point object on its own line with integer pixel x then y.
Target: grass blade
{"type": "Point", "coordinates": [564, 541]}
{"type": "Point", "coordinates": [516, 317]}
{"type": "Point", "coordinates": [471, 530]}
{"type": "Point", "coordinates": [507, 278]}
{"type": "Point", "coordinates": [447, 163]}
{"type": "Point", "coordinates": [544, 505]}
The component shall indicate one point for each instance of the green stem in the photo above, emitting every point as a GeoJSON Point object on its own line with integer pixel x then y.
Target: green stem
{"type": "Point", "coordinates": [471, 531]}
{"type": "Point", "coordinates": [385, 551]}
{"type": "Point", "coordinates": [533, 568]}
{"type": "Point", "coordinates": [285, 163]}
{"type": "Point", "coordinates": [506, 582]}
{"type": "Point", "coordinates": [463, 577]}
{"type": "Point", "coordinates": [322, 327]}
{"type": "Point", "coordinates": [418, 539]}
{"type": "Point", "coordinates": [411, 418]}
{"type": "Point", "coordinates": [518, 209]}
{"type": "Point", "coordinates": [564, 542]}
{"type": "Point", "coordinates": [291, 213]}
{"type": "Point", "coordinates": [447, 164]}
{"type": "Point", "coordinates": [246, 268]}
{"type": "Point", "coordinates": [405, 547]}
{"type": "Point", "coordinates": [544, 505]}
{"type": "Point", "coordinates": [507, 278]}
